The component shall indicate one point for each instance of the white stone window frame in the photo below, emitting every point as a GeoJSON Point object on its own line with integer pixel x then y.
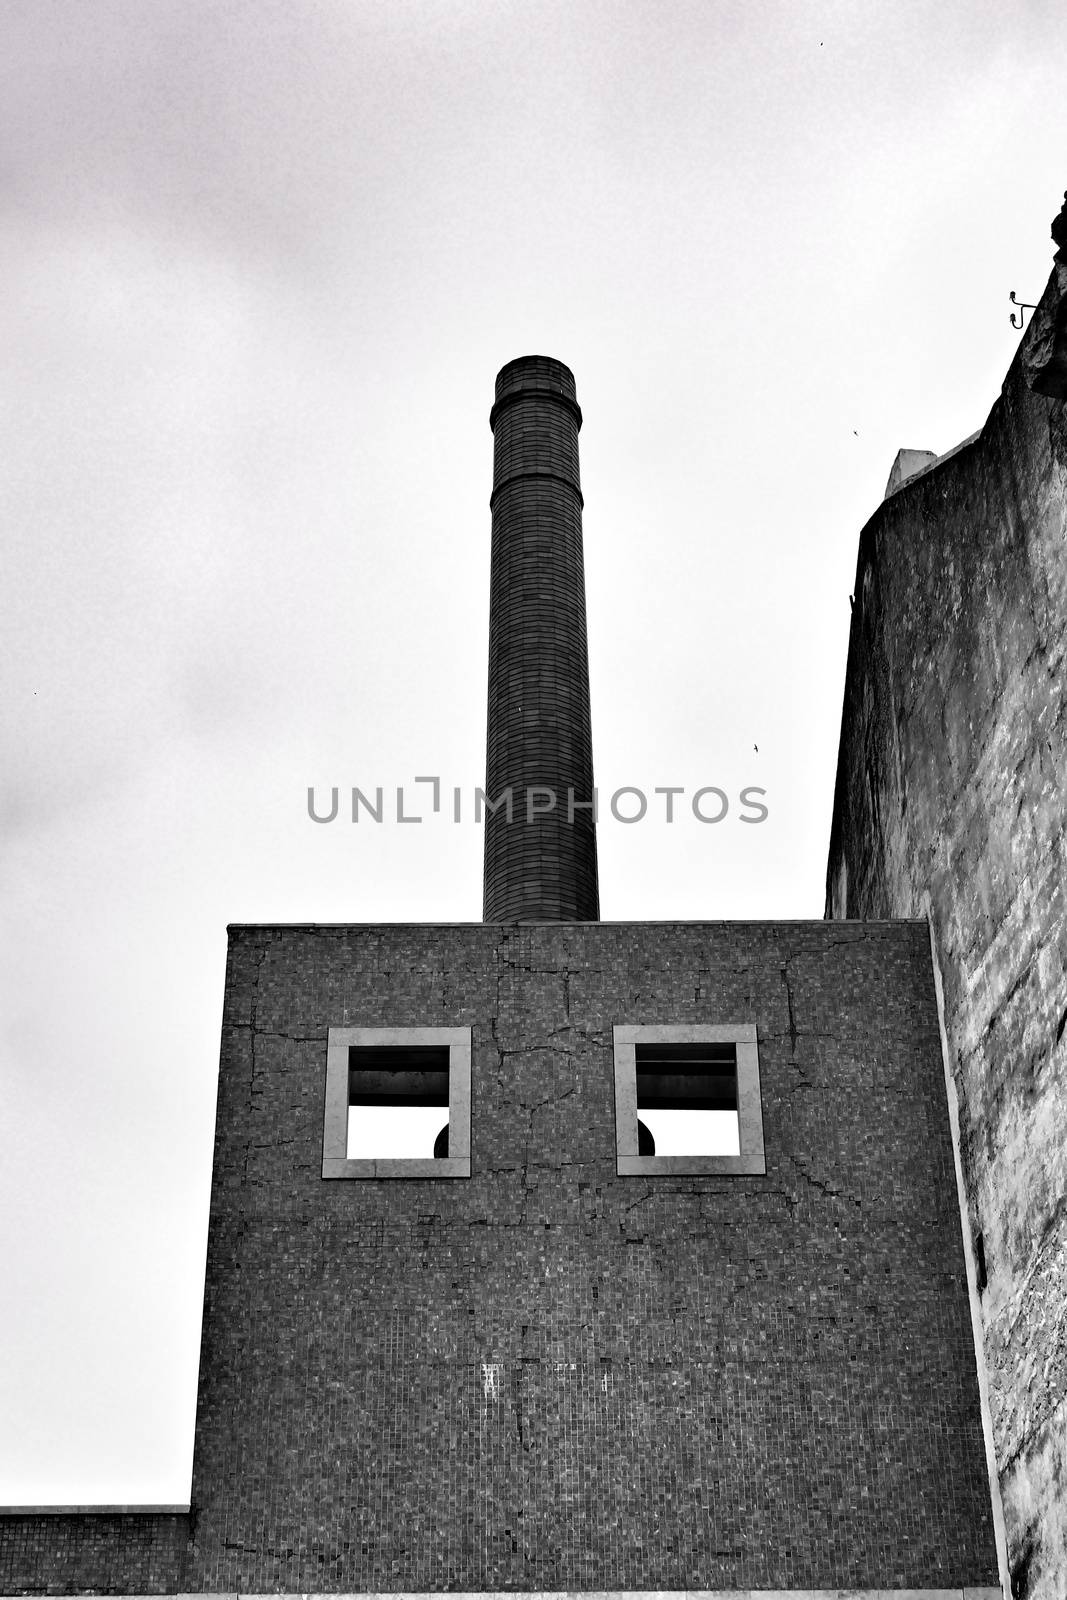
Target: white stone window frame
{"type": "Point", "coordinates": [742, 1035]}
{"type": "Point", "coordinates": [335, 1160]}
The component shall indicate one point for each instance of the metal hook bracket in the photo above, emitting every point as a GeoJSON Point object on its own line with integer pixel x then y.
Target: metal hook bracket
{"type": "Point", "coordinates": [1023, 306]}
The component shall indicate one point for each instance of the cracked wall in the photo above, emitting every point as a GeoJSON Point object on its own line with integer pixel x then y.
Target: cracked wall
{"type": "Point", "coordinates": [950, 785]}
{"type": "Point", "coordinates": [549, 1378]}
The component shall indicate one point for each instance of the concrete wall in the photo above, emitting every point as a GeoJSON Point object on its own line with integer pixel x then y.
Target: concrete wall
{"type": "Point", "coordinates": [950, 793]}
{"type": "Point", "coordinates": [547, 1377]}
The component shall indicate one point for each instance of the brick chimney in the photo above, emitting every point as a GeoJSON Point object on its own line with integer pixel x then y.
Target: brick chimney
{"type": "Point", "coordinates": [540, 866]}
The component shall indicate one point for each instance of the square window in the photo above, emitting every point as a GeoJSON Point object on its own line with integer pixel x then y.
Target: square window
{"type": "Point", "coordinates": [397, 1103]}
{"type": "Point", "coordinates": [687, 1100]}
{"type": "Point", "coordinates": [397, 1100]}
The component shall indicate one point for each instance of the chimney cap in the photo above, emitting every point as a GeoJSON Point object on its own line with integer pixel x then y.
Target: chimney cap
{"type": "Point", "coordinates": [540, 375]}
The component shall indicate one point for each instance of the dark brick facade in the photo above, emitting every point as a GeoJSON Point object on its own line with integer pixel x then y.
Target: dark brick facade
{"type": "Point", "coordinates": [538, 729]}
{"type": "Point", "coordinates": [950, 801]}
{"type": "Point", "coordinates": [548, 1377]}
{"type": "Point", "coordinates": [95, 1553]}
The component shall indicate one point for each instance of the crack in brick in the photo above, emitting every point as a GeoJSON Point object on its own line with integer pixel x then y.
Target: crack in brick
{"type": "Point", "coordinates": [792, 1016]}
{"type": "Point", "coordinates": [819, 1183]}
{"type": "Point", "coordinates": [253, 1010]}
{"type": "Point", "coordinates": [291, 1038]}
{"type": "Point", "coordinates": [548, 1100]}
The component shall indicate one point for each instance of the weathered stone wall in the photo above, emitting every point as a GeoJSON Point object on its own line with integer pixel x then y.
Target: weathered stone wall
{"type": "Point", "coordinates": [547, 1377]}
{"type": "Point", "coordinates": [951, 786]}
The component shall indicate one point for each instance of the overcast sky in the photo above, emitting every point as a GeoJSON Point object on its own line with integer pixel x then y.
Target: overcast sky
{"type": "Point", "coordinates": [261, 262]}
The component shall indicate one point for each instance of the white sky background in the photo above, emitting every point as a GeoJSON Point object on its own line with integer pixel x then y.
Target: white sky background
{"type": "Point", "coordinates": [261, 263]}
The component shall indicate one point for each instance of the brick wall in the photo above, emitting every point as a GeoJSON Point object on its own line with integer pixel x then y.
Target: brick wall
{"type": "Point", "coordinates": [131, 1554]}
{"type": "Point", "coordinates": [548, 1377]}
{"type": "Point", "coordinates": [950, 786]}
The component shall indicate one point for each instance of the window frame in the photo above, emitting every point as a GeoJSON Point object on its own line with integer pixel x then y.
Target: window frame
{"type": "Point", "coordinates": [335, 1160]}
{"type": "Point", "coordinates": [742, 1035]}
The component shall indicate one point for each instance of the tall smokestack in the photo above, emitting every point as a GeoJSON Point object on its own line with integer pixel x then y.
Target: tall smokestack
{"type": "Point", "coordinates": [539, 868]}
